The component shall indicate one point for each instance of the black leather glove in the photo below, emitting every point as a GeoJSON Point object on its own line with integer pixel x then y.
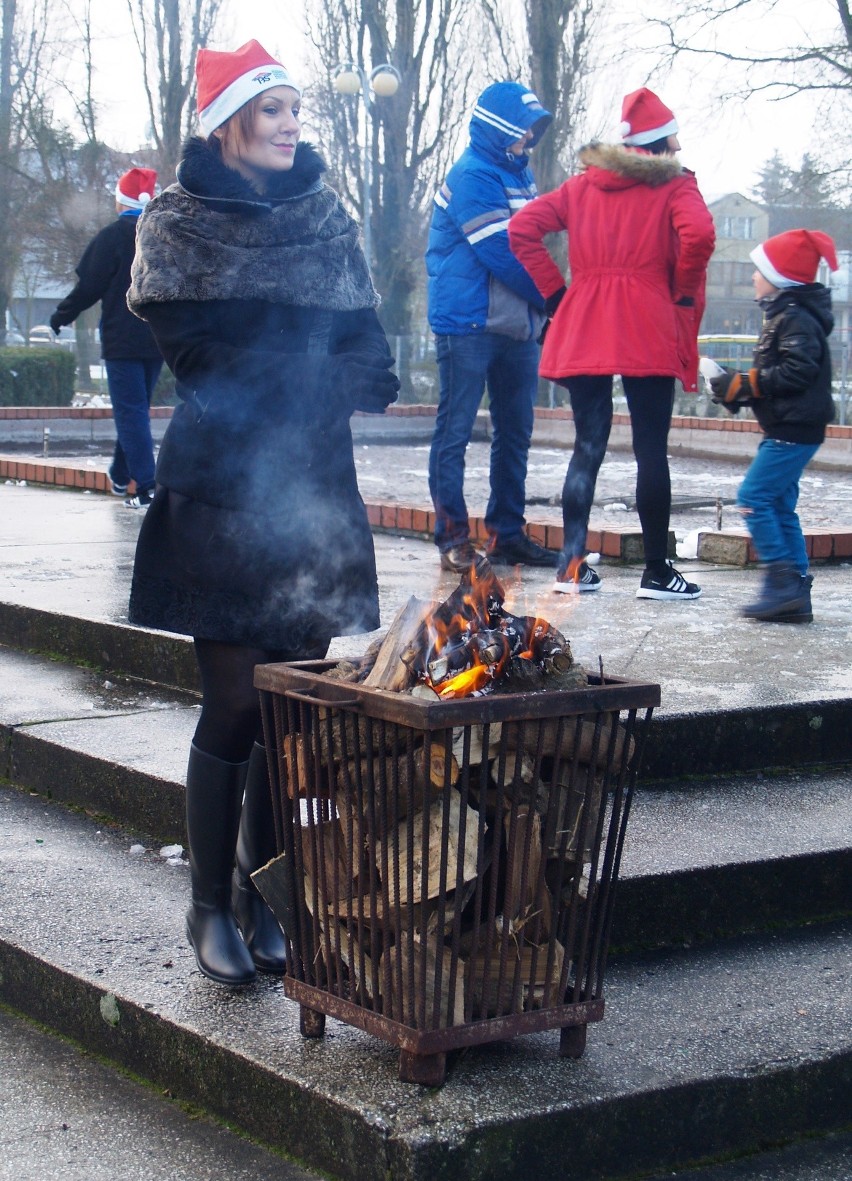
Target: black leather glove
{"type": "Point", "coordinates": [367, 382]}
{"type": "Point", "coordinates": [553, 301]}
{"type": "Point", "coordinates": [733, 390]}
{"type": "Point", "coordinates": [55, 323]}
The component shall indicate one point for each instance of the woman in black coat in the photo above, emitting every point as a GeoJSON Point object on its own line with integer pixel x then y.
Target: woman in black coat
{"type": "Point", "coordinates": [257, 543]}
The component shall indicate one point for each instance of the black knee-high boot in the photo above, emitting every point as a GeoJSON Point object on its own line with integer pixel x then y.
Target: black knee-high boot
{"type": "Point", "coordinates": [256, 846]}
{"type": "Point", "coordinates": [214, 795]}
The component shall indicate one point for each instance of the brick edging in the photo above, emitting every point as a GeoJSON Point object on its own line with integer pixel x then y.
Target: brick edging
{"type": "Point", "coordinates": [726, 425]}
{"type": "Point", "coordinates": [731, 547]}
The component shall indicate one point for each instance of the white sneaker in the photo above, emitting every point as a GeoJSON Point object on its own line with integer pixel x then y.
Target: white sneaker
{"type": "Point", "coordinates": [671, 585]}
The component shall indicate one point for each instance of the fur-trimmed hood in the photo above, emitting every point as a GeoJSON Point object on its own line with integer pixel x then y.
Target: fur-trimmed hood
{"type": "Point", "coordinates": [212, 236]}
{"type": "Point", "coordinates": [614, 166]}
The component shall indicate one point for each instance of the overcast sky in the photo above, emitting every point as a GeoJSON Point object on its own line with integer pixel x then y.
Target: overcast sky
{"type": "Point", "coordinates": [725, 147]}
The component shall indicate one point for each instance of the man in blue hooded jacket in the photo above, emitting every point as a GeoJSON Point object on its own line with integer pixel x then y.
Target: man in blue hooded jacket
{"type": "Point", "coordinates": [487, 316]}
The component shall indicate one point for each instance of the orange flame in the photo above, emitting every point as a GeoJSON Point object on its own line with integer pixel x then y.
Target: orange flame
{"type": "Point", "coordinates": [442, 633]}
{"type": "Point", "coordinates": [465, 683]}
{"type": "Point", "coordinates": [539, 626]}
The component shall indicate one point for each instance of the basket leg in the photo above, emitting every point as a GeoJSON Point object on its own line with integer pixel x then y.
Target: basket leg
{"type": "Point", "coordinates": [430, 1070]}
{"type": "Point", "coordinates": [572, 1041]}
{"type": "Point", "coordinates": [311, 1023]}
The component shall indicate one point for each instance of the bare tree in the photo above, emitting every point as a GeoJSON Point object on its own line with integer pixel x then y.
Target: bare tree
{"type": "Point", "coordinates": [551, 55]}
{"type": "Point", "coordinates": [9, 155]}
{"type": "Point", "coordinates": [821, 61]}
{"type": "Point", "coordinates": [169, 34]}
{"type": "Point", "coordinates": [410, 137]}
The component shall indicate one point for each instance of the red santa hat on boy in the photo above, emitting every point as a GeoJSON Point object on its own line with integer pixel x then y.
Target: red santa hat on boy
{"type": "Point", "coordinates": [645, 118]}
{"type": "Point", "coordinates": [136, 187]}
{"type": "Point", "coordinates": [227, 81]}
{"type": "Point", "coordinates": [792, 259]}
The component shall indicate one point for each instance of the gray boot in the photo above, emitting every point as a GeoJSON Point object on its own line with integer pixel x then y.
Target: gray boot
{"type": "Point", "coordinates": [214, 796]}
{"type": "Point", "coordinates": [784, 598]}
{"type": "Point", "coordinates": [255, 846]}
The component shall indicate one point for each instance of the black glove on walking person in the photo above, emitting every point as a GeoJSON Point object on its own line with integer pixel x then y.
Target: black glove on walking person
{"type": "Point", "coordinates": [733, 390]}
{"type": "Point", "coordinates": [367, 383]}
{"type": "Point", "coordinates": [55, 323]}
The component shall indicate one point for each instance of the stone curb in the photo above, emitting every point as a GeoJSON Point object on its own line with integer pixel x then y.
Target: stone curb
{"type": "Point", "coordinates": [659, 1125]}
{"type": "Point", "coordinates": [726, 547]}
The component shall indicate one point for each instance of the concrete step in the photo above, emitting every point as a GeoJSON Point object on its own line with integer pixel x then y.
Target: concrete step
{"type": "Point", "coordinates": [783, 733]}
{"type": "Point", "coordinates": [704, 1052]}
{"type": "Point", "coordinates": [702, 858]}
{"type": "Point", "coordinates": [67, 1116]}
{"type": "Point", "coordinates": [823, 1158]}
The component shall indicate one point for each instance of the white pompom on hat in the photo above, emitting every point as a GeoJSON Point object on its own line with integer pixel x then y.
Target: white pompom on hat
{"type": "Point", "coordinates": [645, 118]}
{"type": "Point", "coordinates": [792, 259]}
{"type": "Point", "coordinates": [227, 81]}
{"type": "Point", "coordinates": [136, 187]}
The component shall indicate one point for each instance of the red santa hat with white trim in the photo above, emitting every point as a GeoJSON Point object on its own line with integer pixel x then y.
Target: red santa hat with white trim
{"type": "Point", "coordinates": [227, 81]}
{"type": "Point", "coordinates": [136, 187]}
{"type": "Point", "coordinates": [792, 259]}
{"type": "Point", "coordinates": [645, 118]}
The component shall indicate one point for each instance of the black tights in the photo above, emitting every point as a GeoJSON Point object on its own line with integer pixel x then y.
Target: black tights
{"type": "Point", "coordinates": [230, 721]}
{"type": "Point", "coordinates": [650, 401]}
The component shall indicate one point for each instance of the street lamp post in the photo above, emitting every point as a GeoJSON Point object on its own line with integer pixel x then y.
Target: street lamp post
{"type": "Point", "coordinates": [382, 82]}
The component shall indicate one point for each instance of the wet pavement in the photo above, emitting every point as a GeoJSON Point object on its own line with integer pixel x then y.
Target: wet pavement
{"type": "Point", "coordinates": [72, 552]}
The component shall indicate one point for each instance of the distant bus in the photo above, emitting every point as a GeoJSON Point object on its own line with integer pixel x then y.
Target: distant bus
{"type": "Point", "coordinates": [736, 352]}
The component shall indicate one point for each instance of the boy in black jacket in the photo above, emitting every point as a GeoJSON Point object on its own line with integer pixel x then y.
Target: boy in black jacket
{"type": "Point", "coordinates": [789, 390]}
{"type": "Point", "coordinates": [131, 357]}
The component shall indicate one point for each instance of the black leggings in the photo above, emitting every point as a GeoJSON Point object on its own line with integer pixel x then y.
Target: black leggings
{"type": "Point", "coordinates": [230, 707]}
{"type": "Point", "coordinates": [650, 401]}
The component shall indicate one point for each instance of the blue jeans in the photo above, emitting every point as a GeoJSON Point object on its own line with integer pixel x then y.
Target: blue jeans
{"type": "Point", "coordinates": [767, 499]}
{"type": "Point", "coordinates": [131, 385]}
{"type": "Point", "coordinates": [650, 401]}
{"type": "Point", "coordinates": [466, 365]}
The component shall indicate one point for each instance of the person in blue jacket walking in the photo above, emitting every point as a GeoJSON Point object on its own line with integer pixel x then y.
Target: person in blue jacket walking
{"type": "Point", "coordinates": [487, 316]}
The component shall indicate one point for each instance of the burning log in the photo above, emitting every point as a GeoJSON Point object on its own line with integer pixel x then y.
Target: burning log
{"type": "Point", "coordinates": [391, 667]}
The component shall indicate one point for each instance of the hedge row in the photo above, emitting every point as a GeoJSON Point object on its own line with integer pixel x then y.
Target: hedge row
{"type": "Point", "coordinates": [36, 376]}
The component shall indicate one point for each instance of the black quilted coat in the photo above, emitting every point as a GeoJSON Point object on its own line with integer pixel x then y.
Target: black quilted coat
{"type": "Point", "coordinates": [257, 534]}
{"type": "Point", "coordinates": [793, 365]}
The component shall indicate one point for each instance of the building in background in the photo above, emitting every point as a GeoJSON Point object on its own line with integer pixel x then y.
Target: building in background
{"type": "Point", "coordinates": [741, 224]}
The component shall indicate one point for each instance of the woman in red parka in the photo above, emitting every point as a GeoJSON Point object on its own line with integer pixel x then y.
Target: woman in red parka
{"type": "Point", "coordinates": [639, 239]}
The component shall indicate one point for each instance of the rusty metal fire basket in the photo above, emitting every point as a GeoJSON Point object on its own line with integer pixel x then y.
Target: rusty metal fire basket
{"type": "Point", "coordinates": [447, 868]}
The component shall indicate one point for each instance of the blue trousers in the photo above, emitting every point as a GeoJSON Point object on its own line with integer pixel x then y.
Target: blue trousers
{"type": "Point", "coordinates": [131, 386]}
{"type": "Point", "coordinates": [466, 366]}
{"type": "Point", "coordinates": [650, 401]}
{"type": "Point", "coordinates": [767, 499]}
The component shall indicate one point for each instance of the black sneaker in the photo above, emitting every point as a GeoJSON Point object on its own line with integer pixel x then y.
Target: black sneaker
{"type": "Point", "coordinates": [668, 585]}
{"type": "Point", "coordinates": [140, 500]}
{"type": "Point", "coordinates": [580, 583]}
{"type": "Point", "coordinates": [459, 558]}
{"type": "Point", "coordinates": [522, 551]}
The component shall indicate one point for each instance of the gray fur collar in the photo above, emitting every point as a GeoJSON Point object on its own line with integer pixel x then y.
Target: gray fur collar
{"type": "Point", "coordinates": [631, 165]}
{"type": "Point", "coordinates": [223, 241]}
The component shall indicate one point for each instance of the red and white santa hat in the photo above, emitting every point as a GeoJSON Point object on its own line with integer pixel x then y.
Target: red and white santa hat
{"type": "Point", "coordinates": [792, 259]}
{"type": "Point", "coordinates": [136, 187]}
{"type": "Point", "coordinates": [645, 118]}
{"type": "Point", "coordinates": [227, 81]}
